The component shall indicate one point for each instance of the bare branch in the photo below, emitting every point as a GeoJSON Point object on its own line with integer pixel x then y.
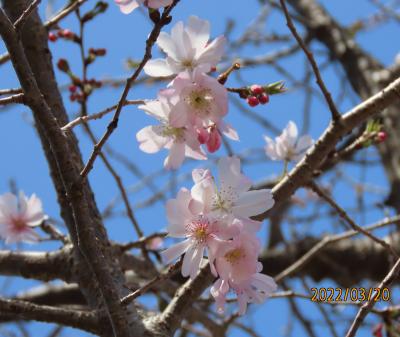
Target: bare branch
{"type": "Point", "coordinates": [27, 311]}
{"type": "Point", "coordinates": [366, 308]}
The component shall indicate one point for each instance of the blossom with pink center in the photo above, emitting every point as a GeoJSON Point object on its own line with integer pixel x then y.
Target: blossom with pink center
{"type": "Point", "coordinates": [254, 290]}
{"type": "Point", "coordinates": [237, 259]}
{"type": "Point", "coordinates": [127, 6]}
{"type": "Point", "coordinates": [201, 232]}
{"type": "Point", "coordinates": [172, 133]}
{"type": "Point", "coordinates": [286, 146]}
{"type": "Point", "coordinates": [199, 96]}
{"type": "Point", "coordinates": [18, 216]}
{"type": "Point", "coordinates": [187, 48]}
{"type": "Point", "coordinates": [232, 198]}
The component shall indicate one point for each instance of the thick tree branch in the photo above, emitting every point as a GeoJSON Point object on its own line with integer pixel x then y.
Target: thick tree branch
{"type": "Point", "coordinates": [303, 171]}
{"type": "Point", "coordinates": [18, 310]}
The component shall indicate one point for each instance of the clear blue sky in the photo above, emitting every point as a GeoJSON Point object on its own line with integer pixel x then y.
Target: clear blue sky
{"type": "Point", "coordinates": [124, 36]}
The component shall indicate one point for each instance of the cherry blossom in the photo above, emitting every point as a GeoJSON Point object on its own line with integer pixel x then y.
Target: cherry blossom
{"type": "Point", "coordinates": [173, 133]}
{"type": "Point", "coordinates": [256, 289]}
{"type": "Point", "coordinates": [127, 6]}
{"type": "Point", "coordinates": [233, 197]}
{"type": "Point", "coordinates": [237, 258]}
{"type": "Point", "coordinates": [286, 146]}
{"type": "Point", "coordinates": [187, 48]}
{"type": "Point", "coordinates": [202, 98]}
{"type": "Point", "coordinates": [18, 216]}
{"type": "Point", "coordinates": [201, 232]}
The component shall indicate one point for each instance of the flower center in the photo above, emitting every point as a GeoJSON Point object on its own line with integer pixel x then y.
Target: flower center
{"type": "Point", "coordinates": [19, 224]}
{"type": "Point", "coordinates": [199, 229]}
{"type": "Point", "coordinates": [224, 199]}
{"type": "Point", "coordinates": [200, 100]}
{"type": "Point", "coordinates": [176, 133]}
{"type": "Point", "coordinates": [233, 256]}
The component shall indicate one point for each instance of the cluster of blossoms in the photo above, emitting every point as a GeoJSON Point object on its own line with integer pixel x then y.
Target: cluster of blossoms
{"type": "Point", "coordinates": [191, 109]}
{"type": "Point", "coordinates": [216, 220]}
{"type": "Point", "coordinates": [19, 216]}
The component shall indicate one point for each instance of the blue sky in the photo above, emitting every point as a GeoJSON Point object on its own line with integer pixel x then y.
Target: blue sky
{"type": "Point", "coordinates": [124, 36]}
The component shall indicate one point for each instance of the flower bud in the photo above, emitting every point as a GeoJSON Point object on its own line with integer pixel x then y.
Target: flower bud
{"type": "Point", "coordinates": [202, 135]}
{"type": "Point", "coordinates": [214, 141]}
{"type": "Point", "coordinates": [257, 89]}
{"type": "Point", "coordinates": [63, 65]}
{"type": "Point", "coordinates": [52, 37]}
{"type": "Point", "coordinates": [263, 99]}
{"type": "Point", "coordinates": [381, 136]}
{"type": "Point", "coordinates": [72, 88]}
{"type": "Point", "coordinates": [252, 101]}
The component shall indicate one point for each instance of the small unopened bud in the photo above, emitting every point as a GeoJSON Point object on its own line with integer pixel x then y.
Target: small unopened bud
{"type": "Point", "coordinates": [202, 135]}
{"type": "Point", "coordinates": [214, 141]}
{"type": "Point", "coordinates": [52, 37]}
{"type": "Point", "coordinates": [256, 89]}
{"type": "Point", "coordinates": [252, 101]}
{"type": "Point", "coordinates": [381, 136]}
{"type": "Point", "coordinates": [66, 34]}
{"type": "Point", "coordinates": [63, 65]}
{"type": "Point", "coordinates": [72, 88]}
{"type": "Point", "coordinates": [263, 99]}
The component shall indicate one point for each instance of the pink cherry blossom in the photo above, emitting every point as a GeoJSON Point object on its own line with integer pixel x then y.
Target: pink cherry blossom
{"type": "Point", "coordinates": [201, 97]}
{"type": "Point", "coordinates": [286, 146]}
{"type": "Point", "coordinates": [237, 259]}
{"type": "Point", "coordinates": [18, 216]}
{"type": "Point", "coordinates": [254, 290]}
{"type": "Point", "coordinates": [187, 48]}
{"type": "Point", "coordinates": [127, 6]}
{"type": "Point", "coordinates": [233, 197]}
{"type": "Point", "coordinates": [201, 232]}
{"type": "Point", "coordinates": [171, 133]}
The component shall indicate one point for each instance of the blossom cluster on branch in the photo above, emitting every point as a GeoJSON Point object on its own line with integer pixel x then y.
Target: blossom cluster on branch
{"type": "Point", "coordinates": [217, 220]}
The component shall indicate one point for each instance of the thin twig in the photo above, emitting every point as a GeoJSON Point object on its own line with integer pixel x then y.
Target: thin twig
{"type": "Point", "coordinates": [151, 40]}
{"type": "Point", "coordinates": [366, 308]}
{"type": "Point", "coordinates": [19, 23]}
{"type": "Point", "coordinates": [142, 290]}
{"type": "Point", "coordinates": [18, 98]}
{"type": "Point", "coordinates": [98, 115]}
{"type": "Point", "coordinates": [342, 213]}
{"type": "Point", "coordinates": [11, 91]}
{"type": "Point", "coordinates": [335, 113]}
{"type": "Point", "coordinates": [301, 262]}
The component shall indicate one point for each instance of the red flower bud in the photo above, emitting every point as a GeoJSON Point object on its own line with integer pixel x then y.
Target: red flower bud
{"type": "Point", "coordinates": [377, 330]}
{"type": "Point", "coordinates": [202, 135]}
{"type": "Point", "coordinates": [63, 65]}
{"type": "Point", "coordinates": [52, 37]}
{"type": "Point", "coordinates": [214, 141]}
{"type": "Point", "coordinates": [256, 89]}
{"type": "Point", "coordinates": [381, 136]}
{"type": "Point", "coordinates": [263, 99]}
{"type": "Point", "coordinates": [72, 88]}
{"type": "Point", "coordinates": [252, 101]}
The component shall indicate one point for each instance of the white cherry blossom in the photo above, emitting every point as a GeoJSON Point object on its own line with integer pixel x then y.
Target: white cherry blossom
{"type": "Point", "coordinates": [288, 147]}
{"type": "Point", "coordinates": [18, 216]}
{"type": "Point", "coordinates": [187, 48]}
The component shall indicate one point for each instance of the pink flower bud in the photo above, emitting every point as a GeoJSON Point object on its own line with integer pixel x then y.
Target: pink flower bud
{"type": "Point", "coordinates": [252, 101]}
{"type": "Point", "coordinates": [72, 88]}
{"type": "Point", "coordinates": [263, 99]}
{"type": "Point", "coordinates": [52, 37]}
{"type": "Point", "coordinates": [381, 137]}
{"type": "Point", "coordinates": [202, 135]}
{"type": "Point", "coordinates": [256, 89]}
{"type": "Point", "coordinates": [214, 141]}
